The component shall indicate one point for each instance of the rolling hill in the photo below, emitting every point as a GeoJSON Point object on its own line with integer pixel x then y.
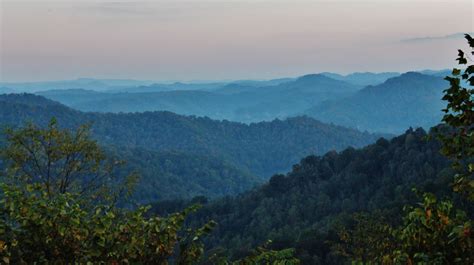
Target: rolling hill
{"type": "Point", "coordinates": [262, 148]}
{"type": "Point", "coordinates": [80, 83]}
{"type": "Point", "coordinates": [164, 174]}
{"type": "Point", "coordinates": [239, 101]}
{"type": "Point", "coordinates": [412, 99]}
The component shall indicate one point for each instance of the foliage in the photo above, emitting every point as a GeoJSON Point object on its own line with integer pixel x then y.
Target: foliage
{"type": "Point", "coordinates": [47, 214]}
{"type": "Point", "coordinates": [435, 233]}
{"type": "Point", "coordinates": [166, 175]}
{"type": "Point", "coordinates": [459, 144]}
{"type": "Point", "coordinates": [62, 161]}
{"type": "Point", "coordinates": [36, 227]}
{"type": "Point", "coordinates": [261, 255]}
{"type": "Point", "coordinates": [265, 256]}
{"type": "Point", "coordinates": [367, 239]}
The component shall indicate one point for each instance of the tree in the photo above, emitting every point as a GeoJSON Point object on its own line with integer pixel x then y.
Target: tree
{"type": "Point", "coordinates": [459, 143]}
{"type": "Point", "coordinates": [436, 232]}
{"type": "Point", "coordinates": [35, 228]}
{"type": "Point", "coordinates": [62, 161]}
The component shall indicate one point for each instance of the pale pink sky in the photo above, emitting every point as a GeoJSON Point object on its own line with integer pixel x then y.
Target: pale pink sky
{"type": "Point", "coordinates": [215, 40]}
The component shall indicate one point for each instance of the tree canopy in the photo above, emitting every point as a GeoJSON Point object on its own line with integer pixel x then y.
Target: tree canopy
{"type": "Point", "coordinates": [57, 205]}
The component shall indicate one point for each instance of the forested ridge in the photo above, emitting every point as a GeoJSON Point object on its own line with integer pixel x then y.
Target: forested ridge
{"type": "Point", "coordinates": [411, 99]}
{"type": "Point", "coordinates": [263, 148]}
{"type": "Point", "coordinates": [172, 174]}
{"type": "Point", "coordinates": [306, 207]}
{"type": "Point", "coordinates": [226, 156]}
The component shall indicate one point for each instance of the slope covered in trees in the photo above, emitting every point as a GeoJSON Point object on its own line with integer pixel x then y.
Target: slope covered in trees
{"type": "Point", "coordinates": [260, 148]}
{"type": "Point", "coordinates": [172, 175]}
{"type": "Point", "coordinates": [360, 205]}
{"type": "Point", "coordinates": [306, 207]}
{"type": "Point", "coordinates": [412, 99]}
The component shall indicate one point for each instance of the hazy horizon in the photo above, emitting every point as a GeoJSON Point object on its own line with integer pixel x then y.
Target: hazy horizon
{"type": "Point", "coordinates": [226, 40]}
{"type": "Point", "coordinates": [164, 81]}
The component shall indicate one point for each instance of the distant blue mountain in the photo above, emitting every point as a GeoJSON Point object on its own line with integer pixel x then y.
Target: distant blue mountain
{"type": "Point", "coordinates": [236, 101]}
{"type": "Point", "coordinates": [6, 90]}
{"type": "Point", "coordinates": [80, 83]}
{"type": "Point", "coordinates": [341, 99]}
{"type": "Point", "coordinates": [411, 99]}
{"type": "Point", "coordinates": [439, 73]}
{"type": "Point", "coordinates": [260, 83]}
{"type": "Point", "coordinates": [169, 87]}
{"type": "Point", "coordinates": [363, 79]}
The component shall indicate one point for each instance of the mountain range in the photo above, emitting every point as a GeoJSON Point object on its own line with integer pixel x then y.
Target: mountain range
{"type": "Point", "coordinates": [376, 102]}
{"type": "Point", "coordinates": [363, 79]}
{"type": "Point", "coordinates": [238, 170]}
{"type": "Point", "coordinates": [236, 101]}
{"type": "Point", "coordinates": [250, 153]}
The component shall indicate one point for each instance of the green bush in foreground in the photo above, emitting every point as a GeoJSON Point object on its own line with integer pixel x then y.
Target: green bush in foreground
{"type": "Point", "coordinates": [38, 228]}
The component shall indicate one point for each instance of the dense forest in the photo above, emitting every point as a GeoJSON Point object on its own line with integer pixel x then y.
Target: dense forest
{"type": "Point", "coordinates": [172, 174]}
{"type": "Point", "coordinates": [306, 207]}
{"type": "Point", "coordinates": [226, 151]}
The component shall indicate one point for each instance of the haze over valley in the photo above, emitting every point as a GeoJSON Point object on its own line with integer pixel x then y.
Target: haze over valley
{"type": "Point", "coordinates": [408, 99]}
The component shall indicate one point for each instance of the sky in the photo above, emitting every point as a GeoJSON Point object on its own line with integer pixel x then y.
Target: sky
{"type": "Point", "coordinates": [226, 39]}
